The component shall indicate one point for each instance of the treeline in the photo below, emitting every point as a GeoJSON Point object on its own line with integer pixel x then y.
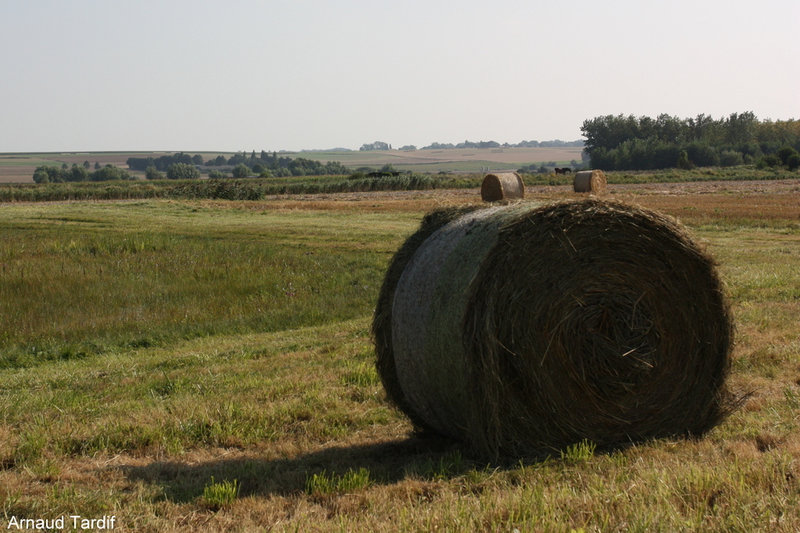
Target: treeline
{"type": "Point", "coordinates": [644, 143]}
{"type": "Point", "coordinates": [240, 165]}
{"type": "Point", "coordinates": [75, 173]}
{"type": "Point", "coordinates": [163, 162]}
{"type": "Point", "coordinates": [557, 143]}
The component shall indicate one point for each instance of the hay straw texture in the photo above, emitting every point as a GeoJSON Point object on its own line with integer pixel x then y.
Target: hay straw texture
{"type": "Point", "coordinates": [522, 329]}
{"type": "Point", "coordinates": [502, 186]}
{"type": "Point", "coordinates": [593, 181]}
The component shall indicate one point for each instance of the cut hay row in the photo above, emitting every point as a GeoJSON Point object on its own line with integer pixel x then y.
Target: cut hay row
{"type": "Point", "coordinates": [593, 181]}
{"type": "Point", "coordinates": [523, 329]}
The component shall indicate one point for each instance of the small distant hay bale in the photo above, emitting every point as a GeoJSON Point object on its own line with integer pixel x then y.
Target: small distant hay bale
{"type": "Point", "coordinates": [502, 186]}
{"type": "Point", "coordinates": [593, 181]}
{"type": "Point", "coordinates": [523, 329]}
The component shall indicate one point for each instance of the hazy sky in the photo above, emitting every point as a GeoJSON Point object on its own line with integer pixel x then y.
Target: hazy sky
{"type": "Point", "coordinates": [83, 75]}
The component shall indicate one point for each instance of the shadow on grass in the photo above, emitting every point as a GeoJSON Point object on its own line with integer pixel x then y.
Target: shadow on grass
{"type": "Point", "coordinates": [426, 457]}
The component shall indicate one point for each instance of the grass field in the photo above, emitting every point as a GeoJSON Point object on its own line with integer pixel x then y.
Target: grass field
{"type": "Point", "coordinates": [265, 188]}
{"type": "Point", "coordinates": [206, 364]}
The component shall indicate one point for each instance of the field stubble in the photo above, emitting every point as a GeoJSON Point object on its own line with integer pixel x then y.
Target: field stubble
{"type": "Point", "coordinates": [269, 383]}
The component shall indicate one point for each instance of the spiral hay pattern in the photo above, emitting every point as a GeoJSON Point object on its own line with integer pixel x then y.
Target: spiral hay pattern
{"type": "Point", "coordinates": [523, 329]}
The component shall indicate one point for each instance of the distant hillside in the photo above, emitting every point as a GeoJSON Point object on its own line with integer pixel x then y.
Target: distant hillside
{"type": "Point", "coordinates": [19, 167]}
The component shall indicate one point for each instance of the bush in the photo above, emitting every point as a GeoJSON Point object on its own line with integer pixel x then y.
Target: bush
{"type": "Point", "coordinates": [683, 160]}
{"type": "Point", "coordinates": [785, 153]}
{"type": "Point", "coordinates": [703, 155]}
{"type": "Point", "coordinates": [41, 175]}
{"type": "Point", "coordinates": [109, 173]}
{"type": "Point", "coordinates": [77, 173]}
{"type": "Point", "coordinates": [770, 161]}
{"type": "Point", "coordinates": [730, 158]}
{"type": "Point", "coordinates": [182, 171]}
{"type": "Point", "coordinates": [152, 173]}
{"type": "Point", "coordinates": [241, 171]}
{"type": "Point", "coordinates": [793, 161]}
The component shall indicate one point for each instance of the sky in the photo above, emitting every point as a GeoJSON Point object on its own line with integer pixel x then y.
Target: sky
{"type": "Point", "coordinates": [195, 75]}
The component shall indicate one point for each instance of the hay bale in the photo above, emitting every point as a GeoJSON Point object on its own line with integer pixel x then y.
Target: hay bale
{"type": "Point", "coordinates": [523, 329]}
{"type": "Point", "coordinates": [382, 319]}
{"type": "Point", "coordinates": [502, 186]}
{"type": "Point", "coordinates": [593, 181]}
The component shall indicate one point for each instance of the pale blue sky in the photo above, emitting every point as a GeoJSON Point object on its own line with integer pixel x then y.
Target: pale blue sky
{"type": "Point", "coordinates": [83, 75]}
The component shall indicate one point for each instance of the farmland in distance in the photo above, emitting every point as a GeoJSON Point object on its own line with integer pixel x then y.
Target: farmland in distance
{"type": "Point", "coordinates": [19, 167]}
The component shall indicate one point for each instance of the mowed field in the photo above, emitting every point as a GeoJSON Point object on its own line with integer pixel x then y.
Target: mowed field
{"type": "Point", "coordinates": [19, 167]}
{"type": "Point", "coordinates": [206, 365]}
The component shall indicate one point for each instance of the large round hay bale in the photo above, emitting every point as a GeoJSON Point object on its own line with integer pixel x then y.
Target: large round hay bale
{"type": "Point", "coordinates": [593, 181]}
{"type": "Point", "coordinates": [523, 329]}
{"type": "Point", "coordinates": [502, 186]}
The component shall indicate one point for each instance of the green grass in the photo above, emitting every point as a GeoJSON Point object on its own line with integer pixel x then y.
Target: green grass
{"type": "Point", "coordinates": [580, 451]}
{"type": "Point", "coordinates": [218, 495]}
{"type": "Point", "coordinates": [324, 483]}
{"type": "Point", "coordinates": [261, 408]}
{"type": "Point", "coordinates": [84, 279]}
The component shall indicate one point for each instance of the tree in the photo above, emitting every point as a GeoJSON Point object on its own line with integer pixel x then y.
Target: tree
{"type": "Point", "coordinates": [785, 153]}
{"type": "Point", "coordinates": [683, 160]}
{"type": "Point", "coordinates": [110, 172]}
{"type": "Point", "coordinates": [182, 171]}
{"type": "Point", "coordinates": [730, 158]}
{"type": "Point", "coordinates": [241, 171]}
{"type": "Point", "coordinates": [626, 142]}
{"type": "Point", "coordinates": [377, 145]}
{"type": "Point", "coordinates": [152, 173]}
{"type": "Point", "coordinates": [77, 173]}
{"type": "Point", "coordinates": [770, 161]}
{"type": "Point", "coordinates": [702, 154]}
{"type": "Point", "coordinates": [740, 128]}
{"type": "Point", "coordinates": [49, 174]}
{"type": "Point", "coordinates": [40, 175]}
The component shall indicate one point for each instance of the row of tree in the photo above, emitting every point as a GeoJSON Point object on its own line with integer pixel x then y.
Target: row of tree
{"type": "Point", "coordinates": [641, 143]}
{"type": "Point", "coordinates": [557, 143]}
{"type": "Point", "coordinates": [163, 162]}
{"type": "Point", "coordinates": [380, 145]}
{"type": "Point", "coordinates": [240, 164]}
{"type": "Point", "coordinates": [51, 174]}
